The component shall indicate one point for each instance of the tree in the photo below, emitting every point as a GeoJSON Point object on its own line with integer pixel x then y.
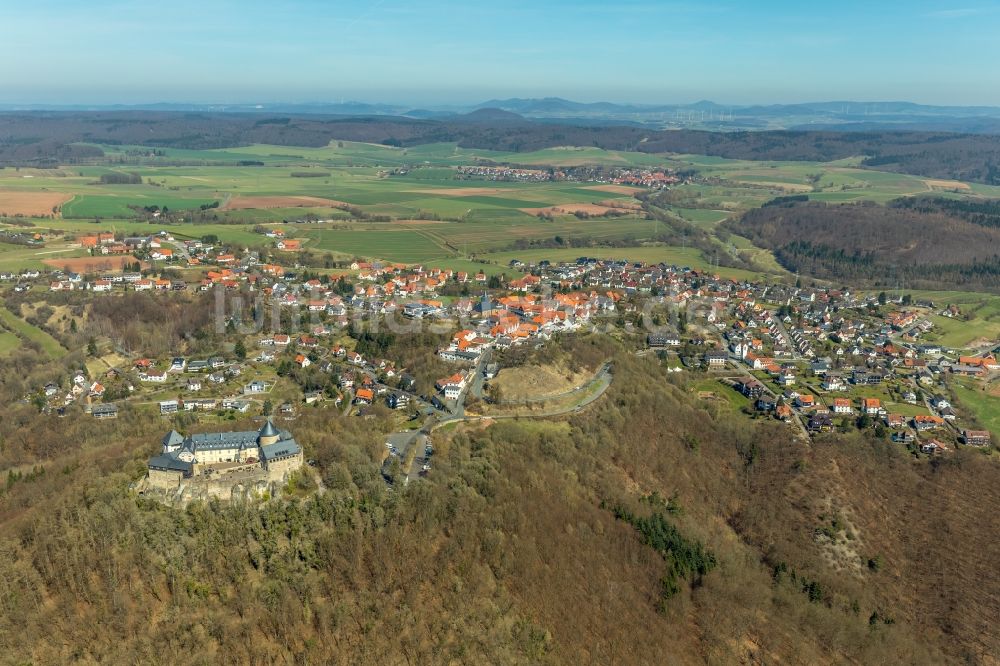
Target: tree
{"type": "Point", "coordinates": [881, 298]}
{"type": "Point", "coordinates": [240, 350]}
{"type": "Point", "coordinates": [268, 408]}
{"type": "Point", "coordinates": [92, 347]}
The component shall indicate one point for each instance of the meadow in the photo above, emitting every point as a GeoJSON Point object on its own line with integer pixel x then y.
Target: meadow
{"type": "Point", "coordinates": [20, 257]}
{"type": "Point", "coordinates": [24, 330]}
{"type": "Point", "coordinates": [979, 320]}
{"type": "Point", "coordinates": [8, 342]}
{"type": "Point", "coordinates": [984, 404]}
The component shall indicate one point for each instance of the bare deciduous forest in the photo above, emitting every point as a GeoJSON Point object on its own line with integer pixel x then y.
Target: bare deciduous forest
{"type": "Point", "coordinates": [531, 542]}
{"type": "Point", "coordinates": [925, 244]}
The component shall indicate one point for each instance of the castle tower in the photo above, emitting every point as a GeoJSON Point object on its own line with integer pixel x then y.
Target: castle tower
{"type": "Point", "coordinates": [268, 434]}
{"type": "Point", "coordinates": [172, 441]}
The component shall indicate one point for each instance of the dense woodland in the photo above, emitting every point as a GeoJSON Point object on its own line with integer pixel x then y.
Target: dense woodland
{"type": "Point", "coordinates": [921, 243]}
{"type": "Point", "coordinates": [651, 527]}
{"type": "Point", "coordinates": [47, 138]}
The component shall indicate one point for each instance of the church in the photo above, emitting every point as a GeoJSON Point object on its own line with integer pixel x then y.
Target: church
{"type": "Point", "coordinates": [268, 453]}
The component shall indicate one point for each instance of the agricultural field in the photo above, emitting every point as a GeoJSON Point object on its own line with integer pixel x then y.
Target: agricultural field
{"type": "Point", "coordinates": [423, 212]}
{"type": "Point", "coordinates": [20, 257]}
{"type": "Point", "coordinates": [834, 182]}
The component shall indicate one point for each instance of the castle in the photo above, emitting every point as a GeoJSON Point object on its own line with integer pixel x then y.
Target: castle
{"type": "Point", "coordinates": [240, 457]}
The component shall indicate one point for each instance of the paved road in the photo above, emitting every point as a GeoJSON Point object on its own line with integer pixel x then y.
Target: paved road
{"type": "Point", "coordinates": [402, 444]}
{"type": "Point", "coordinates": [181, 249]}
{"type": "Point", "coordinates": [786, 338]}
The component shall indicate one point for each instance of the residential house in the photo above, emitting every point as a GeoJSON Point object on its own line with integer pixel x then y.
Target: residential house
{"type": "Point", "coordinates": [716, 358]}
{"type": "Point", "coordinates": [976, 437]}
{"type": "Point", "coordinates": [871, 406]}
{"type": "Point", "coordinates": [923, 422]}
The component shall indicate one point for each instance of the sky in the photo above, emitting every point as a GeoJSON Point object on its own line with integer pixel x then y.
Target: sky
{"type": "Point", "coordinates": [436, 52]}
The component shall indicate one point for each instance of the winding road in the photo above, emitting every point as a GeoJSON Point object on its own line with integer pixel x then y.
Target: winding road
{"type": "Point", "coordinates": [402, 442]}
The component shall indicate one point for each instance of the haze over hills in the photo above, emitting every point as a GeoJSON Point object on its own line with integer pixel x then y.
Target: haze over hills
{"type": "Point", "coordinates": [845, 115]}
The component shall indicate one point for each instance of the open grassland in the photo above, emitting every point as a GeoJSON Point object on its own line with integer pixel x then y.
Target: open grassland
{"type": "Point", "coordinates": [26, 331]}
{"type": "Point", "coordinates": [983, 403]}
{"type": "Point", "coordinates": [20, 257]}
{"type": "Point", "coordinates": [8, 342]}
{"type": "Point", "coordinates": [978, 324]}
{"type": "Point", "coordinates": [403, 245]}
{"type": "Point", "coordinates": [834, 181]}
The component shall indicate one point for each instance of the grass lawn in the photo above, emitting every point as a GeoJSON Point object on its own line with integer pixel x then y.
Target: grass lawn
{"type": "Point", "coordinates": [984, 406]}
{"type": "Point", "coordinates": [733, 398]}
{"type": "Point", "coordinates": [16, 258]}
{"type": "Point", "coordinates": [25, 330]}
{"type": "Point", "coordinates": [8, 342]}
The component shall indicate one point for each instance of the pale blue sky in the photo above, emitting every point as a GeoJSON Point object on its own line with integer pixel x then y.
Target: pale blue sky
{"type": "Point", "coordinates": [435, 52]}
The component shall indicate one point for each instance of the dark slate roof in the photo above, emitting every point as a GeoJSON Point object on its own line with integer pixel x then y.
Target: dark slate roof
{"type": "Point", "coordinates": [169, 462]}
{"type": "Point", "coordinates": [173, 438]}
{"type": "Point", "coordinates": [285, 447]}
{"type": "Point", "coordinates": [269, 430]}
{"type": "Point", "coordinates": [221, 440]}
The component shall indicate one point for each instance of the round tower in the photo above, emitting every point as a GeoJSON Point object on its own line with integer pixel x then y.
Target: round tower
{"type": "Point", "coordinates": [268, 434]}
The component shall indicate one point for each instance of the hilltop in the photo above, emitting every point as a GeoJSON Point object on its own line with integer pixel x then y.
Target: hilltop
{"type": "Point", "coordinates": [512, 551]}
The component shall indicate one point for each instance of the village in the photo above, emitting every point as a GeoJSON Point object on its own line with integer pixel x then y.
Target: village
{"type": "Point", "coordinates": [817, 358]}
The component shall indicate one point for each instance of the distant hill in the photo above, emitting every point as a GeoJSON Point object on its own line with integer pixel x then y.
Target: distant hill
{"type": "Point", "coordinates": [48, 138]}
{"type": "Point", "coordinates": [490, 115]}
{"type": "Point", "coordinates": [703, 114]}
{"type": "Point", "coordinates": [926, 243]}
{"type": "Point", "coordinates": [706, 114]}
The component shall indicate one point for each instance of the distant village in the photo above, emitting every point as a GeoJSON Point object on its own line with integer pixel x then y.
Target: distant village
{"type": "Point", "coordinates": [649, 178]}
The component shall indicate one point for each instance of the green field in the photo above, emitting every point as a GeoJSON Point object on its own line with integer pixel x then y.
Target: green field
{"type": "Point", "coordinates": [979, 321]}
{"type": "Point", "coordinates": [8, 342]}
{"type": "Point", "coordinates": [986, 407]}
{"type": "Point", "coordinates": [20, 257]}
{"type": "Point", "coordinates": [25, 330]}
{"type": "Point", "coordinates": [402, 245]}
{"type": "Point", "coordinates": [476, 218]}
{"type": "Point", "coordinates": [833, 181]}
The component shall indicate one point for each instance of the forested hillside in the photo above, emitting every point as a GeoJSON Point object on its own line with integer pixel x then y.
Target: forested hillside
{"type": "Point", "coordinates": [48, 138]}
{"type": "Point", "coordinates": [923, 243]}
{"type": "Point", "coordinates": [650, 528]}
